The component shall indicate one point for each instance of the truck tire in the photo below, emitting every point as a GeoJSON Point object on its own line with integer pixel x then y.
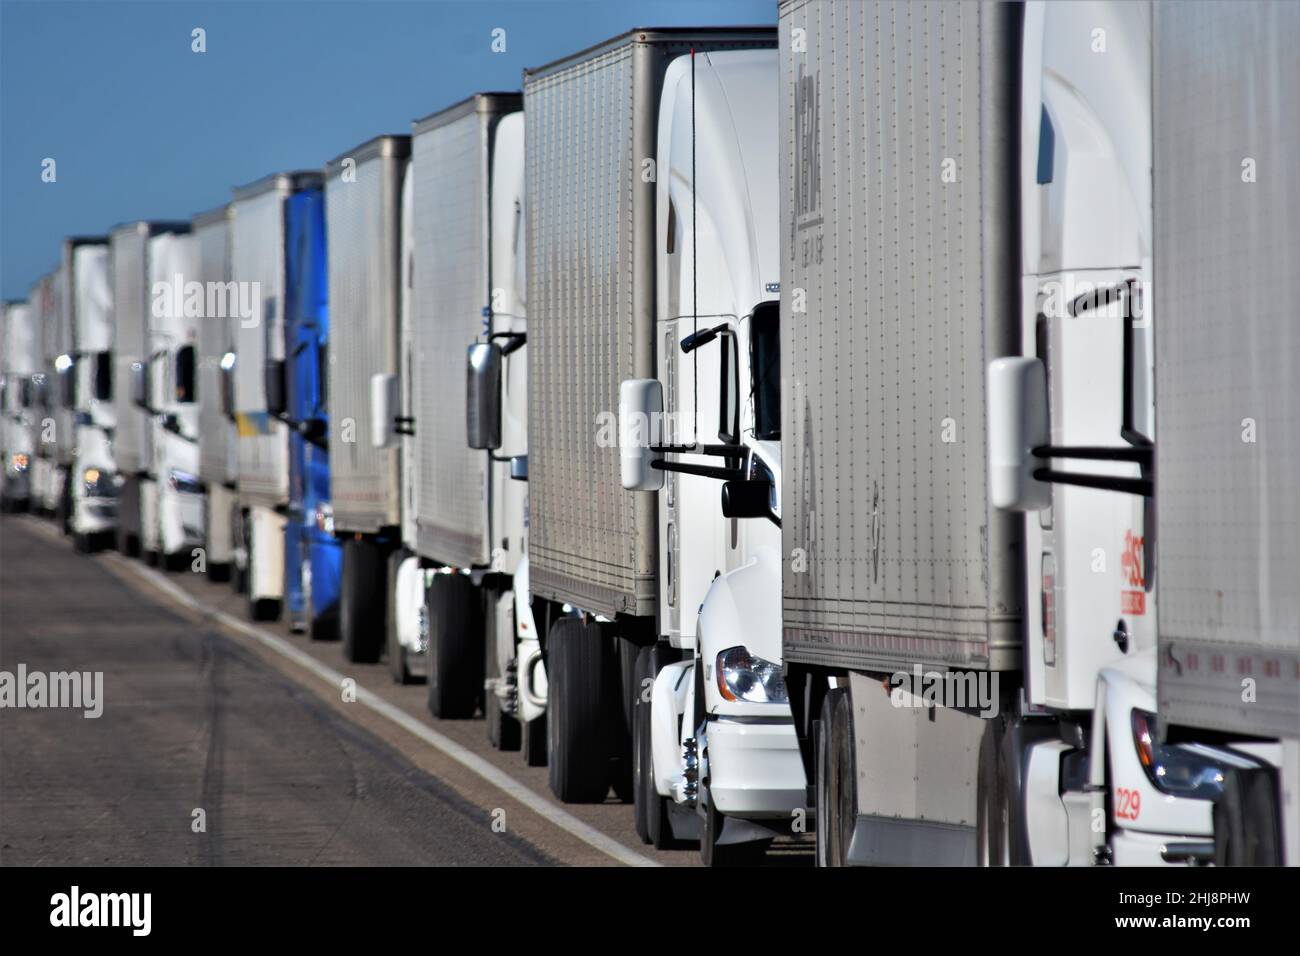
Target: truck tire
{"type": "Point", "coordinates": [1246, 820]}
{"type": "Point", "coordinates": [623, 676]}
{"type": "Point", "coordinates": [650, 809]}
{"type": "Point", "coordinates": [175, 562]}
{"type": "Point", "coordinates": [578, 711]}
{"type": "Point", "coordinates": [837, 798]}
{"type": "Point", "coordinates": [395, 651]}
{"type": "Point", "coordinates": [362, 602]}
{"type": "Point", "coordinates": [503, 729]}
{"type": "Point", "coordinates": [218, 572]}
{"type": "Point", "coordinates": [714, 854]}
{"type": "Point", "coordinates": [992, 809]}
{"type": "Point", "coordinates": [455, 657]}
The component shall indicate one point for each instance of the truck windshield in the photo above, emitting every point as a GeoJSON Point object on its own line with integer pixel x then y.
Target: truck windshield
{"type": "Point", "coordinates": [765, 360]}
{"type": "Point", "coordinates": [104, 376]}
{"type": "Point", "coordinates": [185, 375]}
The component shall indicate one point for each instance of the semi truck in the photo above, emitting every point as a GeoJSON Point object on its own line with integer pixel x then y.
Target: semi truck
{"type": "Point", "coordinates": [466, 179]}
{"type": "Point", "coordinates": [92, 479]}
{"type": "Point", "coordinates": [297, 396]}
{"type": "Point", "coordinates": [716, 756]}
{"type": "Point", "coordinates": [259, 239]}
{"type": "Point", "coordinates": [1225, 93]}
{"type": "Point", "coordinates": [21, 360]}
{"type": "Point", "coordinates": [218, 462]}
{"type": "Point", "coordinates": [171, 499]}
{"type": "Point", "coordinates": [54, 436]}
{"type": "Point", "coordinates": [133, 434]}
{"type": "Point", "coordinates": [363, 205]}
{"type": "Point", "coordinates": [593, 549]}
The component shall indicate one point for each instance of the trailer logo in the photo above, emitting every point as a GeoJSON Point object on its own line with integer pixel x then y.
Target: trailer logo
{"type": "Point", "coordinates": [1133, 576]}
{"type": "Point", "coordinates": [807, 136]}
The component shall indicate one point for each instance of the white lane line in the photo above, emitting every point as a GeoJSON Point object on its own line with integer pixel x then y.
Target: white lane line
{"type": "Point", "coordinates": [465, 757]}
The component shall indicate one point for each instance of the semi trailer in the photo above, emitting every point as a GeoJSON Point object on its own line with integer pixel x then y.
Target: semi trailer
{"type": "Point", "coordinates": [593, 549]}
{"type": "Point", "coordinates": [297, 396]}
{"type": "Point", "coordinates": [466, 177]}
{"type": "Point", "coordinates": [259, 238]}
{"type": "Point", "coordinates": [92, 478]}
{"type": "Point", "coordinates": [171, 499]}
{"type": "Point", "coordinates": [133, 435]}
{"type": "Point", "coordinates": [716, 756]}
{"type": "Point", "coordinates": [20, 360]}
{"type": "Point", "coordinates": [363, 205]}
{"type": "Point", "coordinates": [1225, 95]}
{"type": "Point", "coordinates": [218, 461]}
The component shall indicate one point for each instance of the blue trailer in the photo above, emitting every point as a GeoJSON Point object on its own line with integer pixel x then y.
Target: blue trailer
{"type": "Point", "coordinates": [313, 557]}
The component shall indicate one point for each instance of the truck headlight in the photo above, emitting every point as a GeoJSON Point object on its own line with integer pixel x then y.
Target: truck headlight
{"type": "Point", "coordinates": [748, 677]}
{"type": "Point", "coordinates": [99, 483]}
{"type": "Point", "coordinates": [19, 461]}
{"type": "Point", "coordinates": [1180, 770]}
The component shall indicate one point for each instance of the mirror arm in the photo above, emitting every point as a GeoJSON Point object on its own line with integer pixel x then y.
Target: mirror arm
{"type": "Point", "coordinates": [704, 471]}
{"type": "Point", "coordinates": [515, 341]}
{"type": "Point", "coordinates": [1133, 486]}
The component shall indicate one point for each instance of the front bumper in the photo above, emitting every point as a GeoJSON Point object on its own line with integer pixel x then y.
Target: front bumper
{"type": "Point", "coordinates": [755, 769]}
{"type": "Point", "coordinates": [94, 515]}
{"type": "Point", "coordinates": [1134, 848]}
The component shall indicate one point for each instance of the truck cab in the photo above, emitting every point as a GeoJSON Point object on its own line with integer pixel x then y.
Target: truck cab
{"type": "Point", "coordinates": [17, 405]}
{"type": "Point", "coordinates": [715, 751]}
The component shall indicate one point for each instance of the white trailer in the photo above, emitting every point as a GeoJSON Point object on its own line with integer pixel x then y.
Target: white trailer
{"type": "Point", "coordinates": [88, 300]}
{"type": "Point", "coordinates": [466, 192]}
{"type": "Point", "coordinates": [132, 448]}
{"type": "Point", "coordinates": [591, 190]}
{"type": "Point", "coordinates": [257, 269]}
{"type": "Point", "coordinates": [19, 361]}
{"type": "Point", "coordinates": [1226, 94]}
{"type": "Point", "coordinates": [716, 752]}
{"type": "Point", "coordinates": [171, 503]}
{"type": "Point", "coordinates": [218, 438]}
{"type": "Point", "coordinates": [363, 206]}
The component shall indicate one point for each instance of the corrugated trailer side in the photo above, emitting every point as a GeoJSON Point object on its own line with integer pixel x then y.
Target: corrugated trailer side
{"type": "Point", "coordinates": [363, 191]}
{"type": "Point", "coordinates": [128, 245]}
{"type": "Point", "coordinates": [451, 153]}
{"type": "Point", "coordinates": [899, 283]}
{"type": "Point", "coordinates": [591, 122]}
{"type": "Point", "coordinates": [1227, 278]}
{"type": "Point", "coordinates": [217, 461]}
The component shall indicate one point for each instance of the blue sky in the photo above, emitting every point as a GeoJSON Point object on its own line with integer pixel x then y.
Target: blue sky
{"type": "Point", "coordinates": [141, 127]}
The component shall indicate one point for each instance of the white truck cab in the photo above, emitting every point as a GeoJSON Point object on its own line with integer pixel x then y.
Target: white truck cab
{"type": "Point", "coordinates": [705, 437]}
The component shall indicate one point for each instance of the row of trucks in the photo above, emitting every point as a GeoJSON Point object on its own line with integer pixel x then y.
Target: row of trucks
{"type": "Point", "coordinates": [760, 426]}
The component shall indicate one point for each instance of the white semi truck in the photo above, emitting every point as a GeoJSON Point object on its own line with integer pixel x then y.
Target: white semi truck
{"type": "Point", "coordinates": [133, 434]}
{"type": "Point", "coordinates": [593, 550]}
{"type": "Point", "coordinates": [92, 479]}
{"type": "Point", "coordinates": [19, 362]}
{"type": "Point", "coordinates": [716, 755]}
{"type": "Point", "coordinates": [257, 268]}
{"type": "Point", "coordinates": [1004, 671]}
{"type": "Point", "coordinates": [363, 220]}
{"type": "Point", "coordinates": [54, 434]}
{"type": "Point", "coordinates": [218, 438]}
{"type": "Point", "coordinates": [466, 179]}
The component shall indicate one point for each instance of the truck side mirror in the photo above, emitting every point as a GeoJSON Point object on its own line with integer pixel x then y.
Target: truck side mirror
{"type": "Point", "coordinates": [139, 386]}
{"type": "Point", "coordinates": [276, 401]}
{"type": "Point", "coordinates": [746, 498]}
{"type": "Point", "coordinates": [483, 396]}
{"type": "Point", "coordinates": [519, 468]}
{"type": "Point", "coordinates": [1017, 424]}
{"type": "Point", "coordinates": [383, 410]}
{"type": "Point", "coordinates": [640, 413]}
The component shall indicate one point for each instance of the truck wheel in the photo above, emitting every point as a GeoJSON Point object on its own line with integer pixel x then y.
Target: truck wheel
{"type": "Point", "coordinates": [362, 602]}
{"type": "Point", "coordinates": [837, 799]}
{"type": "Point", "coordinates": [715, 854]}
{"type": "Point", "coordinates": [455, 657]}
{"type": "Point", "coordinates": [1246, 820]}
{"type": "Point", "coordinates": [503, 729]}
{"type": "Point", "coordinates": [992, 824]}
{"type": "Point", "coordinates": [218, 573]}
{"type": "Point", "coordinates": [396, 652]}
{"type": "Point", "coordinates": [175, 562]}
{"type": "Point", "coordinates": [578, 711]}
{"type": "Point", "coordinates": [533, 742]}
{"type": "Point", "coordinates": [650, 809]}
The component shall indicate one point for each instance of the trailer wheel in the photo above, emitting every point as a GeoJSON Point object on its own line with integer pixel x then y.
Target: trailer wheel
{"type": "Point", "coordinates": [650, 809]}
{"type": "Point", "coordinates": [396, 652]}
{"type": "Point", "coordinates": [1246, 820]}
{"type": "Point", "coordinates": [578, 711]}
{"type": "Point", "coordinates": [361, 602]}
{"type": "Point", "coordinates": [503, 729]}
{"type": "Point", "coordinates": [455, 657]}
{"type": "Point", "coordinates": [836, 783]}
